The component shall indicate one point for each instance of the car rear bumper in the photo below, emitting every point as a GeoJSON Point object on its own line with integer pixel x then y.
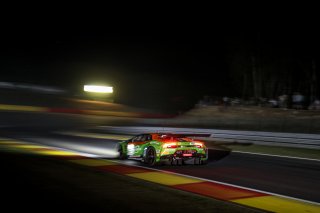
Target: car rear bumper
{"type": "Point", "coordinates": [184, 158]}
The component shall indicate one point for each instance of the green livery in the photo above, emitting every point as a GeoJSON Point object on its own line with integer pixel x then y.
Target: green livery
{"type": "Point", "coordinates": [158, 148]}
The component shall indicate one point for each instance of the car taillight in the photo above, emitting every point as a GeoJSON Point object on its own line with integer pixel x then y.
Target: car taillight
{"type": "Point", "coordinates": [170, 145]}
{"type": "Point", "coordinates": [199, 145]}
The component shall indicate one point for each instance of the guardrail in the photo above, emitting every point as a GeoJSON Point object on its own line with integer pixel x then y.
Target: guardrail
{"type": "Point", "coordinates": [311, 141]}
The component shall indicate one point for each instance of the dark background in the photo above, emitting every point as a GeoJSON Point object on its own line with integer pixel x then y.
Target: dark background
{"type": "Point", "coordinates": [173, 65]}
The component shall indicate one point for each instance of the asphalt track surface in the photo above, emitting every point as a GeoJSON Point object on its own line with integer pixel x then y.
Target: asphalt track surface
{"type": "Point", "coordinates": [285, 176]}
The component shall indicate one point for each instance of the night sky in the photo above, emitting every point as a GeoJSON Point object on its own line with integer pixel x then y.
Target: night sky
{"type": "Point", "coordinates": [149, 68]}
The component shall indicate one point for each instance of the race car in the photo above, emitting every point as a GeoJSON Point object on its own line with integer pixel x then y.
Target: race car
{"type": "Point", "coordinates": [157, 148]}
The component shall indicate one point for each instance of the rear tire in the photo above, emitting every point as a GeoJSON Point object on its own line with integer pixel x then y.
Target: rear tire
{"type": "Point", "coordinates": [177, 162]}
{"type": "Point", "coordinates": [151, 156]}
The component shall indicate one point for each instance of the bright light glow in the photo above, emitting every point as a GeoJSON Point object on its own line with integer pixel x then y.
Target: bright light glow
{"type": "Point", "coordinates": [98, 89]}
{"type": "Point", "coordinates": [198, 144]}
{"type": "Point", "coordinates": [130, 149]}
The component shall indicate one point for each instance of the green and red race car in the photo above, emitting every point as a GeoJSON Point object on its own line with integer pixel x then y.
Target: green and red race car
{"type": "Point", "coordinates": [157, 148]}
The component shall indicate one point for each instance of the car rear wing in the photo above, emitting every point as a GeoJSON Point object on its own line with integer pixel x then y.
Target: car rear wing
{"type": "Point", "coordinates": [175, 135]}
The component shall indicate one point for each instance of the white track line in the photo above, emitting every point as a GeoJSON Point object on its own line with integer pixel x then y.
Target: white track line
{"type": "Point", "coordinates": [280, 156]}
{"type": "Point", "coordinates": [223, 183]}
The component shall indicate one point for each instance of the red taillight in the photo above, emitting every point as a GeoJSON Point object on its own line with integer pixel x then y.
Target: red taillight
{"type": "Point", "coordinates": [170, 145]}
{"type": "Point", "coordinates": [198, 144]}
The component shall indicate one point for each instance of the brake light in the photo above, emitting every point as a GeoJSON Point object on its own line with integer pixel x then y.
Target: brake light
{"type": "Point", "coordinates": [198, 144]}
{"type": "Point", "coordinates": [170, 145]}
